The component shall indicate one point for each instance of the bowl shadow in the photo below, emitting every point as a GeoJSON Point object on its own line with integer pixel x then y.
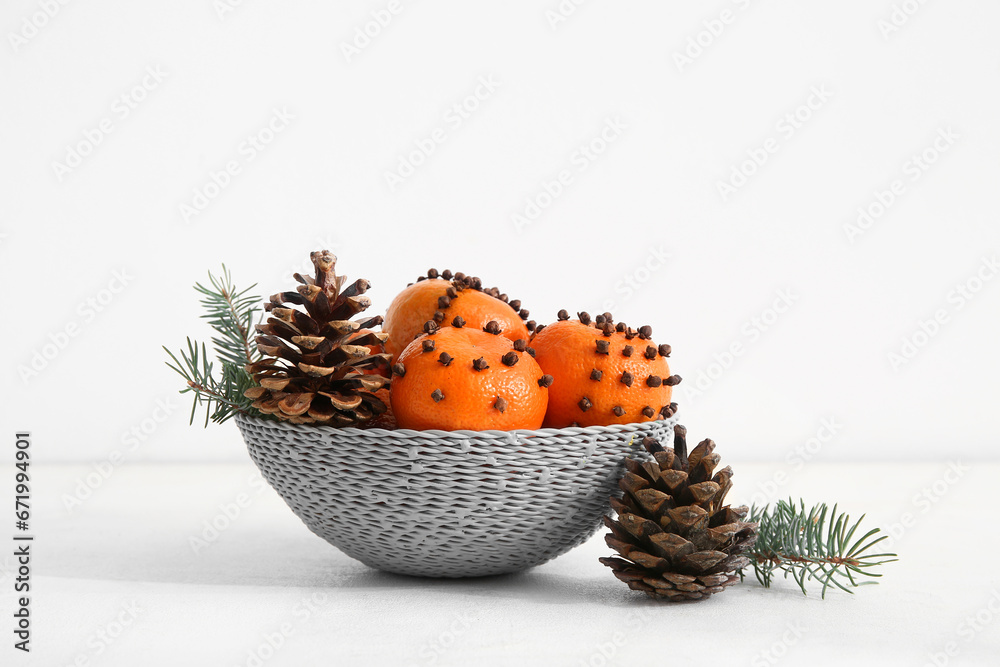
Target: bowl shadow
{"type": "Point", "coordinates": [302, 560]}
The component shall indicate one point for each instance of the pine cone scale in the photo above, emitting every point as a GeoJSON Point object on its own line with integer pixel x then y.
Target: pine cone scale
{"type": "Point", "coordinates": [342, 402]}
{"type": "Point", "coordinates": [295, 404]}
{"type": "Point", "coordinates": [272, 384]}
{"type": "Point", "coordinates": [313, 343]}
{"type": "Point", "coordinates": [671, 546]}
{"type": "Point", "coordinates": [359, 286]}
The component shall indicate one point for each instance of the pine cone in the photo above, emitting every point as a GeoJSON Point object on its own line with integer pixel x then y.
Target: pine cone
{"type": "Point", "coordinates": [679, 540]}
{"type": "Point", "coordinates": [314, 364]}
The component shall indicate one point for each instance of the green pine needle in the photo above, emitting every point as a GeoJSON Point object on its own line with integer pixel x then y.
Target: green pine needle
{"type": "Point", "coordinates": [231, 313]}
{"type": "Point", "coordinates": [814, 545]}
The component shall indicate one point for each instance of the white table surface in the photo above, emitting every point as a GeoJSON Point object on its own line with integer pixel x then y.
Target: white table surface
{"type": "Point", "coordinates": [125, 556]}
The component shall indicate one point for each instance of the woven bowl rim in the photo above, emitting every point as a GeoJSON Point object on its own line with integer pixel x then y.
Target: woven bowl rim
{"type": "Point", "coordinates": [405, 433]}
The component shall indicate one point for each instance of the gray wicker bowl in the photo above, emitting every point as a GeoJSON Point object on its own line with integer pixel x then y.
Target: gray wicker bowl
{"type": "Point", "coordinates": [447, 503]}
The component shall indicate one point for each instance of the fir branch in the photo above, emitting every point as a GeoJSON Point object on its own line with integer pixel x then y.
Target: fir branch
{"type": "Point", "coordinates": [222, 398]}
{"type": "Point", "coordinates": [231, 313]}
{"type": "Point", "coordinates": [817, 544]}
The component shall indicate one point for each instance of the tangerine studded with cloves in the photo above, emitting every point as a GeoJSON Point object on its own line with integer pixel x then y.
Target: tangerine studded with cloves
{"type": "Point", "coordinates": [444, 298]}
{"type": "Point", "coordinates": [470, 379]}
{"type": "Point", "coordinates": [605, 373]}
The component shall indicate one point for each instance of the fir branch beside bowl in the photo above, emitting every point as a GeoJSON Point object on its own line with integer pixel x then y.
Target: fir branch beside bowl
{"type": "Point", "coordinates": [231, 313]}
{"type": "Point", "coordinates": [817, 544]}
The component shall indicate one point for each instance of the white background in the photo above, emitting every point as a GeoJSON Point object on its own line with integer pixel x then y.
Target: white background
{"type": "Point", "coordinates": [654, 189]}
